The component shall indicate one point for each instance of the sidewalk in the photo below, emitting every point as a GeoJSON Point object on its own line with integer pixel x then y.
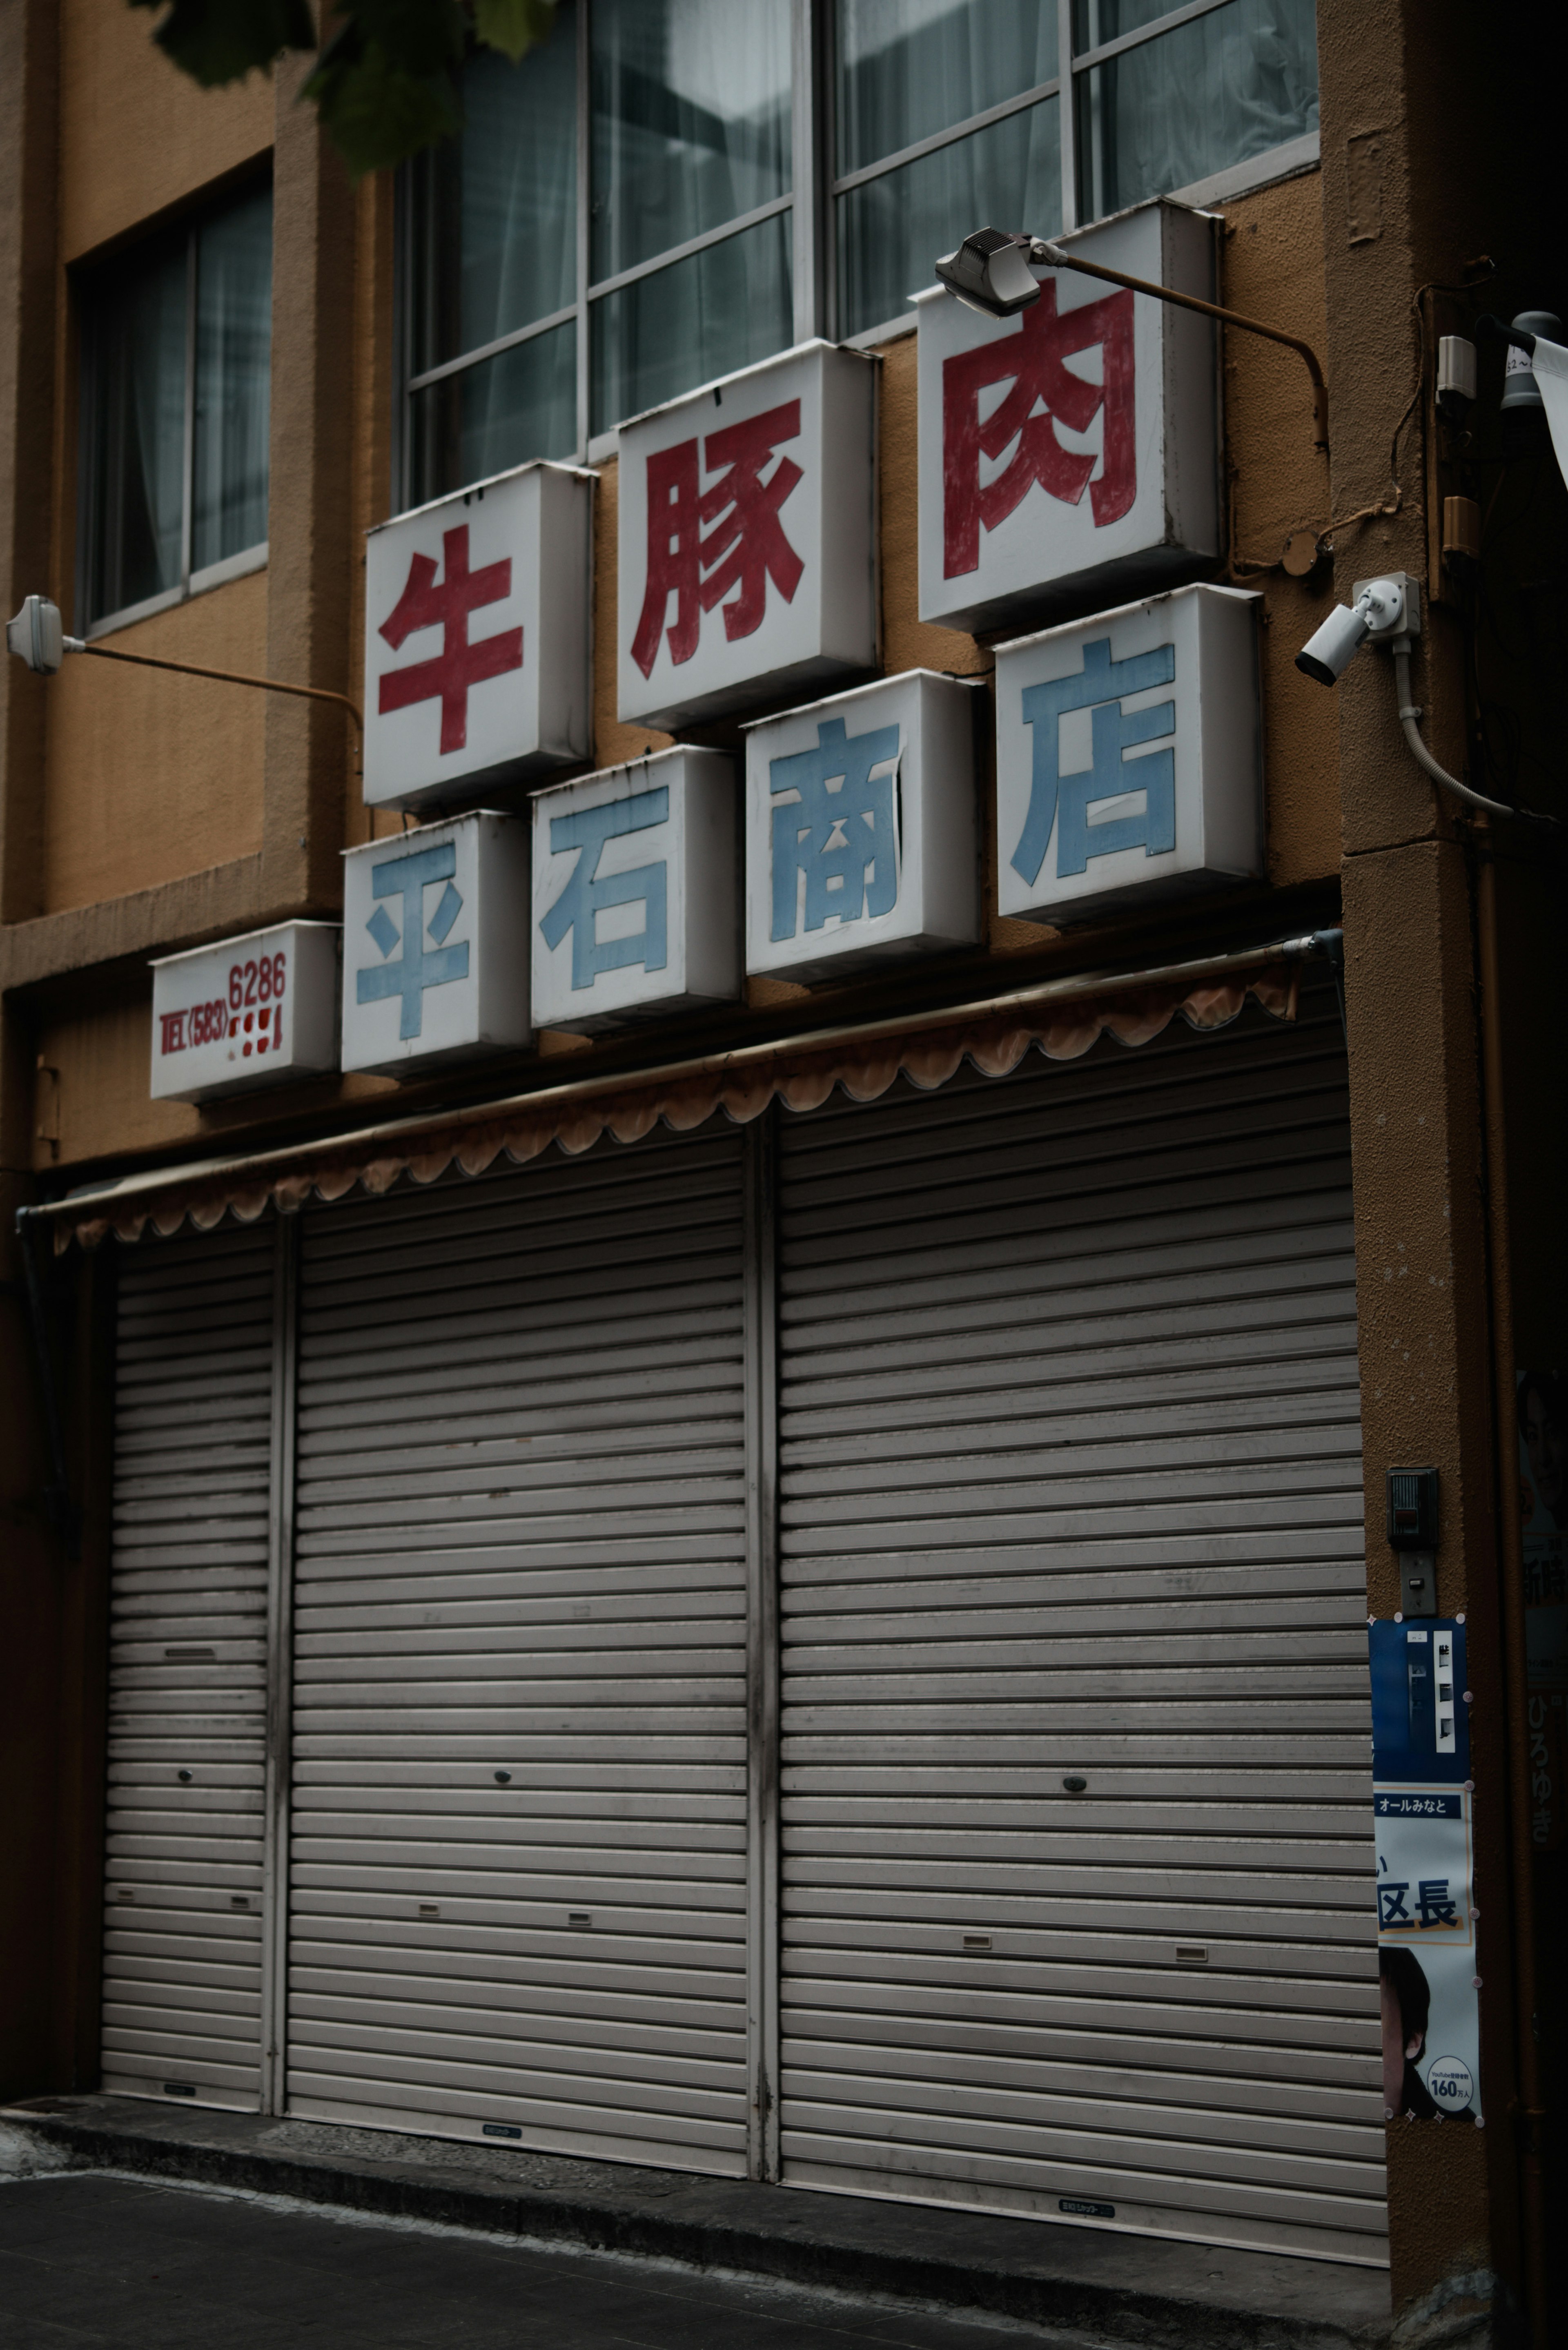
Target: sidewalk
{"type": "Point", "coordinates": [1113, 2288]}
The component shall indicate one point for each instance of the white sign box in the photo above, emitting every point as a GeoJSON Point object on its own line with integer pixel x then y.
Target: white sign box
{"type": "Point", "coordinates": [1129, 755]}
{"type": "Point", "coordinates": [477, 639]}
{"type": "Point", "coordinates": [247, 1013]}
{"type": "Point", "coordinates": [635, 891]}
{"type": "Point", "coordinates": [747, 537]}
{"type": "Point", "coordinates": [860, 828]}
{"type": "Point", "coordinates": [435, 944]}
{"type": "Point", "coordinates": [1074, 443]}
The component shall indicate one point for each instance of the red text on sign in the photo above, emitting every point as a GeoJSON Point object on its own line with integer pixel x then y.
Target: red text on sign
{"type": "Point", "coordinates": [1043, 392]}
{"type": "Point", "coordinates": [459, 665]}
{"type": "Point", "coordinates": [730, 533]}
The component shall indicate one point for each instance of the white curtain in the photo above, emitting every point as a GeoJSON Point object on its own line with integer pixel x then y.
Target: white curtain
{"type": "Point", "coordinates": [233, 364]}
{"type": "Point", "coordinates": [136, 341]}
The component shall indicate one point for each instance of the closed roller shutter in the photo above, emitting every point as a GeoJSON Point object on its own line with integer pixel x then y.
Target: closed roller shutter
{"type": "Point", "coordinates": [519, 1787]}
{"type": "Point", "coordinates": [1071, 1488]}
{"type": "Point", "coordinates": [183, 1951]}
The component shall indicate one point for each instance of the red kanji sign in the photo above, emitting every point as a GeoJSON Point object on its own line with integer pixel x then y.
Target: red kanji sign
{"type": "Point", "coordinates": [459, 665]}
{"type": "Point", "coordinates": [1034, 359]}
{"type": "Point", "coordinates": [745, 545]}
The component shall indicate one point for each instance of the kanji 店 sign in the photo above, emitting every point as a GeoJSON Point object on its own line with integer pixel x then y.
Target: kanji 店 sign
{"type": "Point", "coordinates": [477, 639]}
{"type": "Point", "coordinates": [747, 539]}
{"type": "Point", "coordinates": [1077, 442]}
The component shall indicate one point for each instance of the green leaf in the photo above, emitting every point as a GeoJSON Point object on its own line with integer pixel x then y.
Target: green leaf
{"type": "Point", "coordinates": [217, 41]}
{"type": "Point", "coordinates": [376, 110]}
{"type": "Point", "coordinates": [513, 27]}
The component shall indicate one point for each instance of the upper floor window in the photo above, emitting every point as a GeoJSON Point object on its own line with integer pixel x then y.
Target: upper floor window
{"type": "Point", "coordinates": [667, 190]}
{"type": "Point", "coordinates": [176, 351]}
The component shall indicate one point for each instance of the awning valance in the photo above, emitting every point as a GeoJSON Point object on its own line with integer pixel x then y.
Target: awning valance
{"type": "Point", "coordinates": [1061, 1018]}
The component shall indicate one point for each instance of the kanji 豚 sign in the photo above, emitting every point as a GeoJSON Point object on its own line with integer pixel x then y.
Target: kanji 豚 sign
{"type": "Point", "coordinates": [1076, 441]}
{"type": "Point", "coordinates": [435, 951]}
{"type": "Point", "coordinates": [746, 538]}
{"type": "Point", "coordinates": [477, 639]}
{"type": "Point", "coordinates": [247, 1013]}
{"type": "Point", "coordinates": [860, 828]}
{"type": "Point", "coordinates": [1129, 755]}
{"type": "Point", "coordinates": [635, 906]}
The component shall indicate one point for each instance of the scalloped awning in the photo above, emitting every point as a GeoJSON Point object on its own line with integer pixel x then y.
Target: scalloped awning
{"type": "Point", "coordinates": [1061, 1018]}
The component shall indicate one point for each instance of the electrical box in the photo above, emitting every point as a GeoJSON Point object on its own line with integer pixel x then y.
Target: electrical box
{"type": "Point", "coordinates": [1420, 1730]}
{"type": "Point", "coordinates": [1413, 1533]}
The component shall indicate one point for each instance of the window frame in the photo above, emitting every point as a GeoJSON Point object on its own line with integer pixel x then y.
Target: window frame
{"type": "Point", "coordinates": [89, 379]}
{"type": "Point", "coordinates": [813, 199]}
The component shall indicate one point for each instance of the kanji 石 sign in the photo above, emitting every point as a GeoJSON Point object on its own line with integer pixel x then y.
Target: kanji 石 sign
{"type": "Point", "coordinates": [746, 538]}
{"type": "Point", "coordinates": [247, 1013]}
{"type": "Point", "coordinates": [635, 903]}
{"type": "Point", "coordinates": [860, 828]}
{"type": "Point", "coordinates": [476, 638]}
{"type": "Point", "coordinates": [435, 958]}
{"type": "Point", "coordinates": [1128, 756]}
{"type": "Point", "coordinates": [1076, 441]}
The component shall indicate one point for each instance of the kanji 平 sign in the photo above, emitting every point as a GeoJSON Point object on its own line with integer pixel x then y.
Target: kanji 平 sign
{"type": "Point", "coordinates": [634, 898]}
{"type": "Point", "coordinates": [477, 640]}
{"type": "Point", "coordinates": [1129, 755]}
{"type": "Point", "coordinates": [860, 828]}
{"type": "Point", "coordinates": [435, 947]}
{"type": "Point", "coordinates": [1076, 441]}
{"type": "Point", "coordinates": [747, 544]}
{"type": "Point", "coordinates": [247, 1013]}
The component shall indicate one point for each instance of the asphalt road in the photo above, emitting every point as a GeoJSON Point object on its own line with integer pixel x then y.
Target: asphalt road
{"type": "Point", "coordinates": [92, 2262]}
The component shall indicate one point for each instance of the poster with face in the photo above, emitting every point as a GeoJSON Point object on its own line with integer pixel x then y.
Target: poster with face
{"type": "Point", "coordinates": [1540, 1402]}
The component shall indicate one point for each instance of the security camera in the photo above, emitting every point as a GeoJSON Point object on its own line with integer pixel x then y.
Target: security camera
{"type": "Point", "coordinates": [1384, 609]}
{"type": "Point", "coordinates": [990, 273]}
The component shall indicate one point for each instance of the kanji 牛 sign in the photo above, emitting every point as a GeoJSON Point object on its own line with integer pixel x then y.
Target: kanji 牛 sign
{"type": "Point", "coordinates": [1129, 755]}
{"type": "Point", "coordinates": [476, 638]}
{"type": "Point", "coordinates": [249, 1012]}
{"type": "Point", "coordinates": [1076, 441]}
{"type": "Point", "coordinates": [746, 538]}
{"type": "Point", "coordinates": [435, 946]}
{"type": "Point", "coordinates": [634, 898]}
{"type": "Point", "coordinates": [860, 828]}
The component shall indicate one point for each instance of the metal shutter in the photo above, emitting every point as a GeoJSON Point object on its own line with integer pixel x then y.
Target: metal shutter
{"type": "Point", "coordinates": [183, 1946]}
{"type": "Point", "coordinates": [1071, 1487]}
{"type": "Point", "coordinates": [519, 1783]}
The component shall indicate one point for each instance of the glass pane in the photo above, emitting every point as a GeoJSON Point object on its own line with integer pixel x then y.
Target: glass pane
{"type": "Point", "coordinates": [494, 212]}
{"type": "Point", "coordinates": [691, 122]}
{"type": "Point", "coordinates": [891, 230]}
{"type": "Point", "coordinates": [233, 358]}
{"type": "Point", "coordinates": [715, 311]}
{"type": "Point", "coordinates": [1222, 88]}
{"type": "Point", "coordinates": [136, 342]}
{"type": "Point", "coordinates": [519, 405]}
{"type": "Point", "coordinates": [1095, 21]}
{"type": "Point", "coordinates": [908, 68]}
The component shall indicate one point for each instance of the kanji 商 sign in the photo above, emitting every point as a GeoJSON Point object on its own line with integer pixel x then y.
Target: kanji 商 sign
{"type": "Point", "coordinates": [248, 1011]}
{"type": "Point", "coordinates": [634, 891]}
{"type": "Point", "coordinates": [435, 948]}
{"type": "Point", "coordinates": [1129, 755]}
{"type": "Point", "coordinates": [477, 638]}
{"type": "Point", "coordinates": [860, 828]}
{"type": "Point", "coordinates": [1076, 440]}
{"type": "Point", "coordinates": [746, 538]}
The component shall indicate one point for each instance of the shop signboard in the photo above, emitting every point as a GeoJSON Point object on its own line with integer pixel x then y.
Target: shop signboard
{"type": "Point", "coordinates": [1078, 442]}
{"type": "Point", "coordinates": [477, 640]}
{"type": "Point", "coordinates": [1428, 1975]}
{"type": "Point", "coordinates": [249, 1012]}
{"type": "Point", "coordinates": [747, 538]}
{"type": "Point", "coordinates": [860, 828]}
{"type": "Point", "coordinates": [1128, 756]}
{"type": "Point", "coordinates": [435, 954]}
{"type": "Point", "coordinates": [634, 892]}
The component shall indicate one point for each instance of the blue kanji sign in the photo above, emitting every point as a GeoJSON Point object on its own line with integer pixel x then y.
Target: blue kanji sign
{"type": "Point", "coordinates": [435, 943]}
{"type": "Point", "coordinates": [587, 893]}
{"type": "Point", "coordinates": [835, 831]}
{"type": "Point", "coordinates": [418, 966]}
